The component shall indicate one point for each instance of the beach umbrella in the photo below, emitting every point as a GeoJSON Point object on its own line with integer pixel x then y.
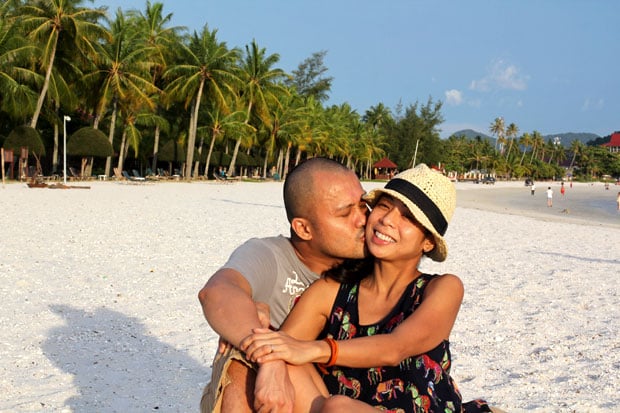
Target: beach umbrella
{"type": "Point", "coordinates": [89, 142]}
{"type": "Point", "coordinates": [25, 137]}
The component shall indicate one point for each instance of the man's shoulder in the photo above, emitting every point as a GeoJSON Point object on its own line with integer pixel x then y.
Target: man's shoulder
{"type": "Point", "coordinates": [280, 242]}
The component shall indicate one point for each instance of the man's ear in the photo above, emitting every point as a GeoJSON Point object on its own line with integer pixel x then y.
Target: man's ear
{"type": "Point", "coordinates": [301, 227]}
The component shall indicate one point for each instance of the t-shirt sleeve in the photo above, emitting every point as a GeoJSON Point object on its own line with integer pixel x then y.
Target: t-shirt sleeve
{"type": "Point", "coordinates": [256, 262]}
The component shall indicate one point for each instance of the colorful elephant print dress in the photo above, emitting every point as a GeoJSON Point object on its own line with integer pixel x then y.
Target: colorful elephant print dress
{"type": "Point", "coordinates": [418, 384]}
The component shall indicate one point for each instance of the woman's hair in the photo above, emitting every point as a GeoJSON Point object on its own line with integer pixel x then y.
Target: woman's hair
{"type": "Point", "coordinates": [351, 271]}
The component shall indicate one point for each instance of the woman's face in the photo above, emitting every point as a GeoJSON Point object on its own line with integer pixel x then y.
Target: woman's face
{"type": "Point", "coordinates": [393, 233]}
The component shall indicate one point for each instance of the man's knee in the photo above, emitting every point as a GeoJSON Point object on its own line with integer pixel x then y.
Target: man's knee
{"type": "Point", "coordinates": [238, 395]}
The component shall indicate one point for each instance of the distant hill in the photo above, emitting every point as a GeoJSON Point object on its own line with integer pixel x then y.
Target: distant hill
{"type": "Point", "coordinates": [569, 137]}
{"type": "Point", "coordinates": [472, 134]}
{"type": "Point", "coordinates": [565, 138]}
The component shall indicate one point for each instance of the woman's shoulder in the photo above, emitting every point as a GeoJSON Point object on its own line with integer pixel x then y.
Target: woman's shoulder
{"type": "Point", "coordinates": [447, 283]}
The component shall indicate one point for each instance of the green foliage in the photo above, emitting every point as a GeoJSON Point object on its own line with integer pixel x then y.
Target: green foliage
{"type": "Point", "coordinates": [88, 141]}
{"type": "Point", "coordinates": [25, 136]}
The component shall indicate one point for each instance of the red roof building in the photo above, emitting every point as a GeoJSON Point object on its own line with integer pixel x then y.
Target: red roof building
{"type": "Point", "coordinates": [614, 142]}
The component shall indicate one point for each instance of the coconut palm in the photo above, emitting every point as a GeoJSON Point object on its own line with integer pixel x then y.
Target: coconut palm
{"type": "Point", "coordinates": [121, 74]}
{"type": "Point", "coordinates": [526, 141]}
{"type": "Point", "coordinates": [260, 87]}
{"type": "Point", "coordinates": [538, 143]}
{"type": "Point", "coordinates": [377, 116]}
{"type": "Point", "coordinates": [18, 100]}
{"type": "Point", "coordinates": [162, 41]}
{"type": "Point", "coordinates": [206, 71]}
{"type": "Point", "coordinates": [511, 132]}
{"type": "Point", "coordinates": [60, 23]}
{"type": "Point", "coordinates": [220, 125]}
{"type": "Point", "coordinates": [576, 147]}
{"type": "Point", "coordinates": [498, 128]}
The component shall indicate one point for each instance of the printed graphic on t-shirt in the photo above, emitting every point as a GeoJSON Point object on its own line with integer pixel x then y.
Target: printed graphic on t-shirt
{"type": "Point", "coordinates": [294, 287]}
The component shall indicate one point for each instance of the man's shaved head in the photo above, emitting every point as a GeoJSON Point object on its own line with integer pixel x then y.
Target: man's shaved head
{"type": "Point", "coordinates": [299, 185]}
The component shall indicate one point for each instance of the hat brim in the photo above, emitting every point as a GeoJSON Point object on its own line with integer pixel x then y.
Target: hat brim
{"type": "Point", "coordinates": [440, 252]}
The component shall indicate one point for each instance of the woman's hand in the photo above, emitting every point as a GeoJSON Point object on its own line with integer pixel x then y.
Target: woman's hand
{"type": "Point", "coordinates": [265, 345]}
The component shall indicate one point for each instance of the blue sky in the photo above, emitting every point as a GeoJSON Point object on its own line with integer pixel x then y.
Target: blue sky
{"type": "Point", "coordinates": [546, 65]}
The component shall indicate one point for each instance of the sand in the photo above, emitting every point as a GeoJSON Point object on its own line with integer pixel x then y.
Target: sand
{"type": "Point", "coordinates": [100, 311]}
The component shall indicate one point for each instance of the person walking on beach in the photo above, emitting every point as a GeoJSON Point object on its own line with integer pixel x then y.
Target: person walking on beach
{"type": "Point", "coordinates": [382, 325]}
{"type": "Point", "coordinates": [323, 203]}
{"type": "Point", "coordinates": [533, 189]}
{"type": "Point", "coordinates": [549, 197]}
{"type": "Point", "coordinates": [618, 201]}
{"type": "Point", "coordinates": [562, 190]}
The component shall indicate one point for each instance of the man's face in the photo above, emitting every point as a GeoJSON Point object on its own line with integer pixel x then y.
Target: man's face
{"type": "Point", "coordinates": [339, 215]}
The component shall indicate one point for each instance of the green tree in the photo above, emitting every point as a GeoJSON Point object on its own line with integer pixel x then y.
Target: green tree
{"type": "Point", "coordinates": [309, 78]}
{"type": "Point", "coordinates": [498, 129]}
{"type": "Point", "coordinates": [60, 23]}
{"type": "Point", "coordinates": [206, 70]}
{"type": "Point", "coordinates": [261, 84]}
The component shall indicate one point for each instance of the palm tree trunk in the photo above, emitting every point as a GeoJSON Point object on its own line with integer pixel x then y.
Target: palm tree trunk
{"type": "Point", "coordinates": [121, 156]}
{"type": "Point", "coordinates": [46, 84]}
{"type": "Point", "coordinates": [213, 136]}
{"type": "Point", "coordinates": [191, 142]}
{"type": "Point", "coordinates": [108, 161]}
{"type": "Point", "coordinates": [155, 149]}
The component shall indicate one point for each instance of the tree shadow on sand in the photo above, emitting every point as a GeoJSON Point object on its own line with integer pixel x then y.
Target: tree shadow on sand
{"type": "Point", "coordinates": [119, 368]}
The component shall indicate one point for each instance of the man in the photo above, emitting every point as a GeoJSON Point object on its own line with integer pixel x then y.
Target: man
{"type": "Point", "coordinates": [327, 216]}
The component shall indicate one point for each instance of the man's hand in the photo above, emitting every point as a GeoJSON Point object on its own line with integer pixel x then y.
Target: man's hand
{"type": "Point", "coordinates": [273, 391]}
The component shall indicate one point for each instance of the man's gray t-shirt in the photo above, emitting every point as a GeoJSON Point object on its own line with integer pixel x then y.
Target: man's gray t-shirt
{"type": "Point", "coordinates": [275, 273]}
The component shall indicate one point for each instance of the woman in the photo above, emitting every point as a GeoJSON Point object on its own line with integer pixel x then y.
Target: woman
{"type": "Point", "coordinates": [385, 326]}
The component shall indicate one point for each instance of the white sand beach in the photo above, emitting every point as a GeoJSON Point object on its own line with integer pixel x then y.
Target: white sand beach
{"type": "Point", "coordinates": [100, 311]}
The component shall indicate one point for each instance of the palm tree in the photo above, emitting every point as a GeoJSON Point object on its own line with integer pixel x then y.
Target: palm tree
{"type": "Point", "coordinates": [207, 70]}
{"type": "Point", "coordinates": [377, 116]}
{"type": "Point", "coordinates": [537, 143]}
{"type": "Point", "coordinates": [576, 147]}
{"type": "Point", "coordinates": [17, 99]}
{"type": "Point", "coordinates": [259, 87]}
{"type": "Point", "coordinates": [498, 129]}
{"type": "Point", "coordinates": [60, 23]}
{"type": "Point", "coordinates": [121, 74]}
{"type": "Point", "coordinates": [511, 132]}
{"type": "Point", "coordinates": [161, 40]}
{"type": "Point", "coordinates": [220, 125]}
{"type": "Point", "coordinates": [526, 142]}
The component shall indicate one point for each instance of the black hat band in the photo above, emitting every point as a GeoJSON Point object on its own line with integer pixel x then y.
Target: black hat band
{"type": "Point", "coordinates": [419, 198]}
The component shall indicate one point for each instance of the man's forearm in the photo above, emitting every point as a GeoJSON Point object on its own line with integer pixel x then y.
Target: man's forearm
{"type": "Point", "coordinates": [230, 312]}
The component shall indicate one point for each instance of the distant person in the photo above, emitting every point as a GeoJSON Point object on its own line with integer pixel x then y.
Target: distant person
{"type": "Point", "coordinates": [532, 188]}
{"type": "Point", "coordinates": [549, 197]}
{"type": "Point", "coordinates": [618, 201]}
{"type": "Point", "coordinates": [562, 190]}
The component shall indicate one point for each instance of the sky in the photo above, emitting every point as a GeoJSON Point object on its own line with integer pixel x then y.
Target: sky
{"type": "Point", "coordinates": [551, 66]}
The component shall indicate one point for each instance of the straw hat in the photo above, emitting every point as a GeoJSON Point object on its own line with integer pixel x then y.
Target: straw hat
{"type": "Point", "coordinates": [430, 197]}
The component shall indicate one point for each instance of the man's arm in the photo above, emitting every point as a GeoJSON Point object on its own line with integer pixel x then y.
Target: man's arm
{"type": "Point", "coordinates": [228, 306]}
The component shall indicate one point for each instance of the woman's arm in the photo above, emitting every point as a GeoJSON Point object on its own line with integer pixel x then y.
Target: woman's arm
{"type": "Point", "coordinates": [429, 325]}
{"type": "Point", "coordinates": [295, 342]}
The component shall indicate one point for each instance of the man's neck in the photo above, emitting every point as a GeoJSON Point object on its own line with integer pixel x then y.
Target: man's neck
{"type": "Point", "coordinates": [315, 261]}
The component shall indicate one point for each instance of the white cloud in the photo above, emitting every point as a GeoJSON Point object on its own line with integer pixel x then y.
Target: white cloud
{"type": "Point", "coordinates": [590, 104]}
{"type": "Point", "coordinates": [502, 75]}
{"type": "Point", "coordinates": [454, 97]}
